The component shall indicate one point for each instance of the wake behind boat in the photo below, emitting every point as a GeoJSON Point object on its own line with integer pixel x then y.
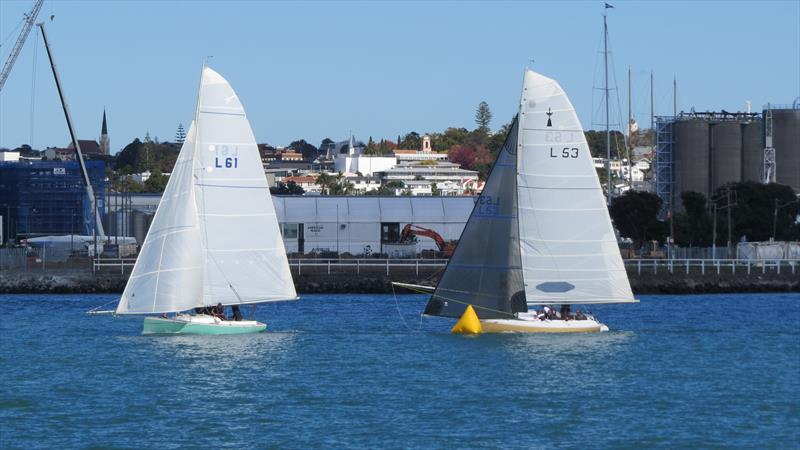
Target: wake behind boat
{"type": "Point", "coordinates": [214, 239]}
{"type": "Point", "coordinates": [539, 234]}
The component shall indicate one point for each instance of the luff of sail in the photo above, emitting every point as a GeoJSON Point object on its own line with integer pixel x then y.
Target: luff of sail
{"type": "Point", "coordinates": [245, 260]}
{"type": "Point", "coordinates": [168, 274]}
{"type": "Point", "coordinates": [485, 268]}
{"type": "Point", "coordinates": [568, 248]}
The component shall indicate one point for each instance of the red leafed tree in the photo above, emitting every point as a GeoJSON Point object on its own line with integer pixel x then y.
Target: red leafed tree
{"type": "Point", "coordinates": [469, 156]}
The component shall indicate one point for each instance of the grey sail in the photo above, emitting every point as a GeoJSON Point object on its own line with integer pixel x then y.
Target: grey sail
{"type": "Point", "coordinates": [485, 270]}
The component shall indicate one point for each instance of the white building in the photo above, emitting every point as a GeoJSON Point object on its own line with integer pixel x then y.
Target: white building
{"type": "Point", "coordinates": [9, 156]}
{"type": "Point", "coordinates": [438, 172]}
{"type": "Point", "coordinates": [366, 225]}
{"type": "Point", "coordinates": [350, 158]}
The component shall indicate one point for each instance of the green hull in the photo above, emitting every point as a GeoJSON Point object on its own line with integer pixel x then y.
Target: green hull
{"type": "Point", "coordinates": [153, 325]}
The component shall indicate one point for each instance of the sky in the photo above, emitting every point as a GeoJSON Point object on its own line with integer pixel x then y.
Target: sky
{"type": "Point", "coordinates": [380, 69]}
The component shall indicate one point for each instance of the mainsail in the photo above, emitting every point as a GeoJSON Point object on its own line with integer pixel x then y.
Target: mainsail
{"type": "Point", "coordinates": [485, 269]}
{"type": "Point", "coordinates": [215, 237]}
{"type": "Point", "coordinates": [568, 247]}
{"type": "Point", "coordinates": [540, 232]}
{"type": "Point", "coordinates": [168, 274]}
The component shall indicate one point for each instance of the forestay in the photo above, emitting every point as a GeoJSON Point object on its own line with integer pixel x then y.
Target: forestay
{"type": "Point", "coordinates": [568, 248]}
{"type": "Point", "coordinates": [484, 270]}
{"type": "Point", "coordinates": [168, 274]}
{"type": "Point", "coordinates": [245, 257]}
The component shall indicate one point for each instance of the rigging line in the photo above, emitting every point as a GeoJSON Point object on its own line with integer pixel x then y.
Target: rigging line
{"type": "Point", "coordinates": [33, 87]}
{"type": "Point", "coordinates": [456, 301]}
{"type": "Point", "coordinates": [104, 304]}
{"type": "Point", "coordinates": [397, 306]}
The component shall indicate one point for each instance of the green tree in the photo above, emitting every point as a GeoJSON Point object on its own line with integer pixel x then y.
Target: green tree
{"type": "Point", "coordinates": [635, 216]}
{"type": "Point", "coordinates": [180, 134]}
{"type": "Point", "coordinates": [411, 141]}
{"type": "Point", "coordinates": [483, 117]}
{"type": "Point", "coordinates": [290, 188]}
{"type": "Point", "coordinates": [157, 182]}
{"type": "Point", "coordinates": [325, 181]}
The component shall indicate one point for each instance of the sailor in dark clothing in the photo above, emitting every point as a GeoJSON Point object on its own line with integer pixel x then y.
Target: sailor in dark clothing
{"type": "Point", "coordinates": [218, 311]}
{"type": "Point", "coordinates": [237, 314]}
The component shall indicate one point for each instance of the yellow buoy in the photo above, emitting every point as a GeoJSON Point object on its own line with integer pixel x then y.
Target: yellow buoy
{"type": "Point", "coordinates": [468, 323]}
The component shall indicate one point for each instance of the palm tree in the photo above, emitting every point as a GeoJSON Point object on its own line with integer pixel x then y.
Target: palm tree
{"type": "Point", "coordinates": [324, 181]}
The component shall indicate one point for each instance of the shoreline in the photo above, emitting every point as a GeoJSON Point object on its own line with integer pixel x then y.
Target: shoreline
{"type": "Point", "coordinates": [78, 282]}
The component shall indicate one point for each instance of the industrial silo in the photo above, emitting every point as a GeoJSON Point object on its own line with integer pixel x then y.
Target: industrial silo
{"type": "Point", "coordinates": [752, 150]}
{"type": "Point", "coordinates": [786, 141]}
{"type": "Point", "coordinates": [726, 153]}
{"type": "Point", "coordinates": [140, 222]}
{"type": "Point", "coordinates": [690, 157]}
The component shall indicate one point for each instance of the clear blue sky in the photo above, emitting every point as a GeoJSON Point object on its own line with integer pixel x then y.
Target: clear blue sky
{"type": "Point", "coordinates": [320, 69]}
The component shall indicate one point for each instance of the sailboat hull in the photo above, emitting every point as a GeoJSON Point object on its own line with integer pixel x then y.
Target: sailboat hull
{"type": "Point", "coordinates": [531, 324]}
{"type": "Point", "coordinates": [200, 325]}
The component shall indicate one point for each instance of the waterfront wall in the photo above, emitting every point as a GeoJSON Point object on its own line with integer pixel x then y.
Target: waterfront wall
{"type": "Point", "coordinates": [645, 279]}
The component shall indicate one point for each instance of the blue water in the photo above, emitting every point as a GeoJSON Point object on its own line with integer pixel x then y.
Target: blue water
{"type": "Point", "coordinates": [348, 371]}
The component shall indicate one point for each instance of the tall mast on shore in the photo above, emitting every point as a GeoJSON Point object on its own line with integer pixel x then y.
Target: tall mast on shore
{"type": "Point", "coordinates": [605, 90]}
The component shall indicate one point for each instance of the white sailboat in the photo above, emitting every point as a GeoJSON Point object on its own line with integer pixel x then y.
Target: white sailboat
{"type": "Point", "coordinates": [214, 238]}
{"type": "Point", "coordinates": [540, 233]}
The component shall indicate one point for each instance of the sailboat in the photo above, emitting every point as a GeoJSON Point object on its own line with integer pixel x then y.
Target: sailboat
{"type": "Point", "coordinates": [214, 238]}
{"type": "Point", "coordinates": [539, 234]}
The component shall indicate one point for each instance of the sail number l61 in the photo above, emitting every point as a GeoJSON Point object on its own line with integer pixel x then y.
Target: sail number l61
{"type": "Point", "coordinates": [566, 152]}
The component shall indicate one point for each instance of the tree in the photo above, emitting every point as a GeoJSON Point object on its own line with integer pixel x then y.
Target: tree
{"type": "Point", "coordinates": [309, 151]}
{"type": "Point", "coordinates": [472, 158]}
{"type": "Point", "coordinates": [180, 134]}
{"type": "Point", "coordinates": [753, 207]}
{"type": "Point", "coordinates": [411, 141]}
{"type": "Point", "coordinates": [157, 182]}
{"type": "Point", "coordinates": [597, 142]}
{"type": "Point", "coordinates": [290, 188]}
{"type": "Point", "coordinates": [635, 216]}
{"type": "Point", "coordinates": [483, 117]}
{"type": "Point", "coordinates": [324, 181]}
{"type": "Point", "coordinates": [695, 228]}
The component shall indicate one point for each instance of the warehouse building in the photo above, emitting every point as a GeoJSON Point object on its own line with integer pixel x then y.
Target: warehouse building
{"type": "Point", "coordinates": [330, 225]}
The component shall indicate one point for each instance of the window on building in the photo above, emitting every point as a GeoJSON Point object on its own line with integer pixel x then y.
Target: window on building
{"type": "Point", "coordinates": [390, 231]}
{"type": "Point", "coordinates": [289, 230]}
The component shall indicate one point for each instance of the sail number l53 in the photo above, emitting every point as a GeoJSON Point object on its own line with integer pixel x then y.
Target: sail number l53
{"type": "Point", "coordinates": [566, 152]}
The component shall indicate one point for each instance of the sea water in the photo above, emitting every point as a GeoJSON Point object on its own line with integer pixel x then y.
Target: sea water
{"type": "Point", "coordinates": [364, 371]}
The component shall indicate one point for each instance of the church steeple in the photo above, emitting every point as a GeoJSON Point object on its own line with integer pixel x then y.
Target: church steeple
{"type": "Point", "coordinates": [105, 144]}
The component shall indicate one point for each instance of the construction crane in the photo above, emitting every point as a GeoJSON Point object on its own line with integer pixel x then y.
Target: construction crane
{"type": "Point", "coordinates": [23, 35]}
{"type": "Point", "coordinates": [415, 230]}
{"type": "Point", "coordinates": [98, 224]}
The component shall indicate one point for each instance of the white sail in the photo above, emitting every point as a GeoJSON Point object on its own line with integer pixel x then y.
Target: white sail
{"type": "Point", "coordinates": [568, 248]}
{"type": "Point", "coordinates": [245, 261]}
{"type": "Point", "coordinates": [168, 274]}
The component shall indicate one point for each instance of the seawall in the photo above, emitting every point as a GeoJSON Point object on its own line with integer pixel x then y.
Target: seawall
{"type": "Point", "coordinates": [377, 281]}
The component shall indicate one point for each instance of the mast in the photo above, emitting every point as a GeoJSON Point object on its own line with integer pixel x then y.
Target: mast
{"type": "Point", "coordinates": [674, 96]}
{"type": "Point", "coordinates": [630, 132]}
{"type": "Point", "coordinates": [652, 106]}
{"type": "Point", "coordinates": [98, 225]}
{"type": "Point", "coordinates": [605, 77]}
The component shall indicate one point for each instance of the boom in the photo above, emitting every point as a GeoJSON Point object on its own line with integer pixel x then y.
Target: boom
{"type": "Point", "coordinates": [23, 35]}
